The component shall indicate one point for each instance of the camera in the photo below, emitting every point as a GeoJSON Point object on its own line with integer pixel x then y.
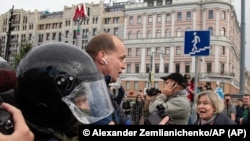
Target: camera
{"type": "Point", "coordinates": [155, 118]}
{"type": "Point", "coordinates": [6, 122]}
{"type": "Point", "coordinates": [153, 91]}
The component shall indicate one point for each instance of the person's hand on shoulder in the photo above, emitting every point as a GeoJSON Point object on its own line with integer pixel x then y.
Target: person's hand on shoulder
{"type": "Point", "coordinates": [21, 130]}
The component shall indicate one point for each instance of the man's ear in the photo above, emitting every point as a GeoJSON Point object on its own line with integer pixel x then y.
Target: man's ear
{"type": "Point", "coordinates": [100, 56]}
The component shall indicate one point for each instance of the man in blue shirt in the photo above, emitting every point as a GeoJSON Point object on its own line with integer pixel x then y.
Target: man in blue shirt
{"type": "Point", "coordinates": [219, 91]}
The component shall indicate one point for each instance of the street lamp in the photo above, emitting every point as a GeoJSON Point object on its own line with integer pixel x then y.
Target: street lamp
{"type": "Point", "coordinates": [151, 73]}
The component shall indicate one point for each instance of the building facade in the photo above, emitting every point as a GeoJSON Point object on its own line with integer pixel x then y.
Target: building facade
{"type": "Point", "coordinates": [153, 33]}
{"type": "Point", "coordinates": [154, 36]}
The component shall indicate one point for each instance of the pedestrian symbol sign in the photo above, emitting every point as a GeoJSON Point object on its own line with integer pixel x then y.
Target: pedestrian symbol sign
{"type": "Point", "coordinates": [197, 43]}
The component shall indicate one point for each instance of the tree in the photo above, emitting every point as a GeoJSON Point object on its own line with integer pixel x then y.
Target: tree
{"type": "Point", "coordinates": [25, 47]}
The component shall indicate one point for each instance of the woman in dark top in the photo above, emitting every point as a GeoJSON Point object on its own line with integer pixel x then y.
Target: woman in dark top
{"type": "Point", "coordinates": [209, 107]}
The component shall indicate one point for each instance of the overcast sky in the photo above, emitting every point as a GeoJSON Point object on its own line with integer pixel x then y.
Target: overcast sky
{"type": "Point", "coordinates": [58, 5]}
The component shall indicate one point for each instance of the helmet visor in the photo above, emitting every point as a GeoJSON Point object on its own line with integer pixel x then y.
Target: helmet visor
{"type": "Point", "coordinates": [90, 101]}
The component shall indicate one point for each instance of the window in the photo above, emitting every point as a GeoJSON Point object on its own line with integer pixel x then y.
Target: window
{"type": "Point", "coordinates": [107, 30]}
{"type": "Point", "coordinates": [167, 50]}
{"type": "Point", "coordinates": [74, 34]}
{"type": "Point", "coordinates": [116, 20]}
{"type": "Point", "coordinates": [137, 68]}
{"type": "Point", "coordinates": [131, 20]}
{"type": "Point", "coordinates": [85, 33]}
{"type": "Point", "coordinates": [159, 3]}
{"type": "Point", "coordinates": [66, 34]}
{"type": "Point", "coordinates": [168, 1]}
{"type": "Point", "coordinates": [177, 67]}
{"type": "Point", "coordinates": [222, 68]}
{"type": "Point", "coordinates": [211, 30]}
{"type": "Point", "coordinates": [47, 36]}
{"type": "Point", "coordinates": [128, 68]}
{"type": "Point", "coordinates": [223, 31]}
{"type": "Point", "coordinates": [158, 50]}
{"type": "Point", "coordinates": [139, 19]}
{"type": "Point", "coordinates": [116, 31]}
{"type": "Point", "coordinates": [168, 18]}
{"type": "Point", "coordinates": [53, 36]}
{"type": "Point", "coordinates": [187, 68]}
{"type": "Point", "coordinates": [149, 34]}
{"type": "Point", "coordinates": [179, 16]}
{"type": "Point", "coordinates": [138, 36]}
{"type": "Point", "coordinates": [127, 85]}
{"type": "Point", "coordinates": [150, 4]}
{"type": "Point", "coordinates": [129, 51]}
{"type": "Point", "coordinates": [148, 51]}
{"type": "Point", "coordinates": [158, 18]}
{"type": "Point", "coordinates": [138, 51]}
{"type": "Point", "coordinates": [168, 33]}
{"type": "Point", "coordinates": [188, 15]}
{"type": "Point", "coordinates": [158, 34]}
{"type": "Point", "coordinates": [223, 15]}
{"type": "Point", "coordinates": [95, 20]}
{"type": "Point", "coordinates": [107, 20]}
{"type": "Point", "coordinates": [178, 33]}
{"type": "Point", "coordinates": [166, 68]}
{"type": "Point", "coordinates": [178, 50]}
{"type": "Point", "coordinates": [222, 50]}
{"type": "Point", "coordinates": [94, 31]}
{"type": "Point", "coordinates": [84, 43]}
{"type": "Point", "coordinates": [209, 67]}
{"type": "Point", "coordinates": [157, 68]}
{"type": "Point", "coordinates": [30, 36]}
{"type": "Point", "coordinates": [40, 37]}
{"type": "Point", "coordinates": [210, 14]}
{"type": "Point", "coordinates": [150, 19]}
{"type": "Point", "coordinates": [130, 35]}
{"type": "Point", "coordinates": [59, 36]}
{"type": "Point", "coordinates": [147, 68]}
{"type": "Point", "coordinates": [136, 85]}
{"type": "Point", "coordinates": [67, 23]}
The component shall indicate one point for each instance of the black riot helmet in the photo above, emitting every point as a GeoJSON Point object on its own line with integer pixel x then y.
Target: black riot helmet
{"type": "Point", "coordinates": [59, 84]}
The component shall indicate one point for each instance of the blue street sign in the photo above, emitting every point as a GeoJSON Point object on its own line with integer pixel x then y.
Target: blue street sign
{"type": "Point", "coordinates": [197, 43]}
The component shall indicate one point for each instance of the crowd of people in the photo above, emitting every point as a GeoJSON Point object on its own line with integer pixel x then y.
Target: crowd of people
{"type": "Point", "coordinates": [58, 87]}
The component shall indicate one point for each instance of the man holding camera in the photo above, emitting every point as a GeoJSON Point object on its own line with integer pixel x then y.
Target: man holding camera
{"type": "Point", "coordinates": [173, 98]}
{"type": "Point", "coordinates": [229, 108]}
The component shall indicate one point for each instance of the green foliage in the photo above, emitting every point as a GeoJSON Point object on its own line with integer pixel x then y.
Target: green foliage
{"type": "Point", "coordinates": [25, 47]}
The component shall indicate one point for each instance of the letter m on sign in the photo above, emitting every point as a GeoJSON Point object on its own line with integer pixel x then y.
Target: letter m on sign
{"type": "Point", "coordinates": [80, 12]}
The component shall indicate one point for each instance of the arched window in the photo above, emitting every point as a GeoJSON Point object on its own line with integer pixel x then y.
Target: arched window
{"type": "Point", "coordinates": [158, 34]}
{"type": "Point", "coordinates": [223, 31]}
{"type": "Point", "coordinates": [167, 33]}
{"type": "Point", "coordinates": [211, 30]}
{"type": "Point", "coordinates": [149, 34]}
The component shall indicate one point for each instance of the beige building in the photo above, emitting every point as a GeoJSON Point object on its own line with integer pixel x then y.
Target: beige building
{"type": "Point", "coordinates": [154, 36]}
{"type": "Point", "coordinates": [40, 27]}
{"type": "Point", "coordinates": [153, 32]}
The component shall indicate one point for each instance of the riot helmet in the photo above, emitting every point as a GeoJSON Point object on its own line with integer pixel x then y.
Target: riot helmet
{"type": "Point", "coordinates": [59, 84]}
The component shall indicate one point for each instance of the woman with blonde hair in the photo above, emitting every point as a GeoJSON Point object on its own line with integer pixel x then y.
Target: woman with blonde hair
{"type": "Point", "coordinates": [209, 107]}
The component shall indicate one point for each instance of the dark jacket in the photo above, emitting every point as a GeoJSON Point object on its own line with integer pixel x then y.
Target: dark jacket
{"type": "Point", "coordinates": [118, 116]}
{"type": "Point", "coordinates": [239, 115]}
{"type": "Point", "coordinates": [220, 119]}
